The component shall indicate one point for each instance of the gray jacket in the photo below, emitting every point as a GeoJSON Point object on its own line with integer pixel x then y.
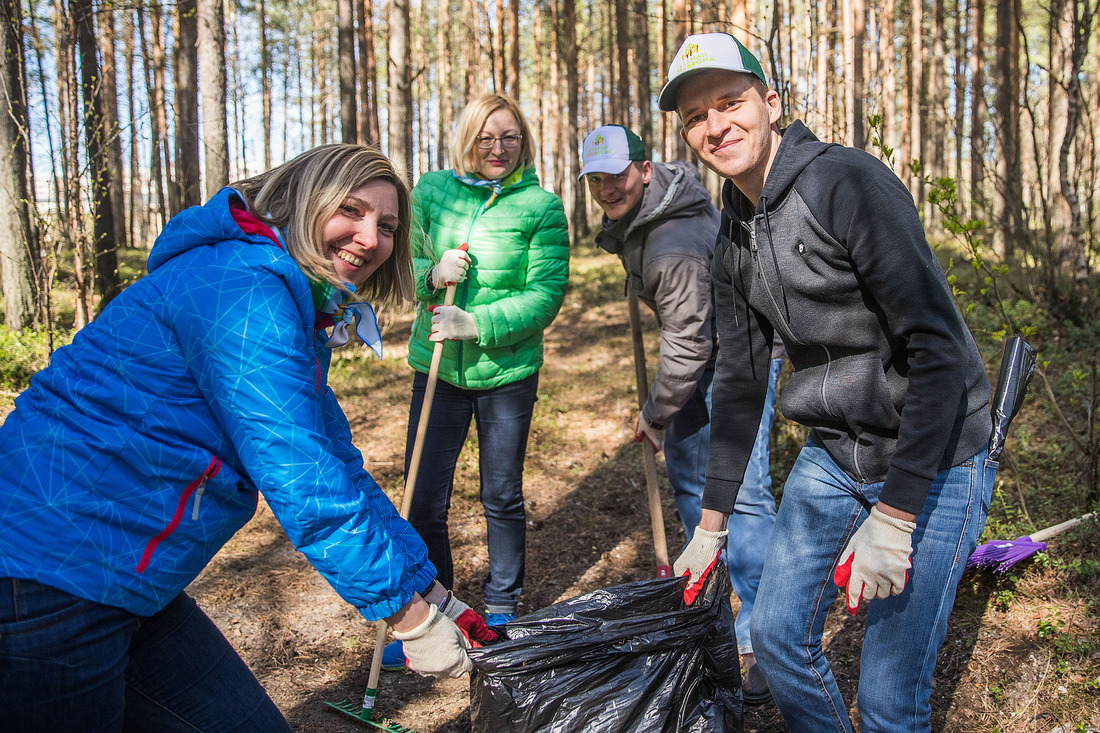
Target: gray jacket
{"type": "Point", "coordinates": [666, 245]}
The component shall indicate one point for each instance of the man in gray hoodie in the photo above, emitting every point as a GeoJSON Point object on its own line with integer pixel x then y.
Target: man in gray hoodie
{"type": "Point", "coordinates": [659, 220]}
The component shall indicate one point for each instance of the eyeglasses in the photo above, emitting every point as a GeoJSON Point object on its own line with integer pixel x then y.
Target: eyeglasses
{"type": "Point", "coordinates": [508, 142]}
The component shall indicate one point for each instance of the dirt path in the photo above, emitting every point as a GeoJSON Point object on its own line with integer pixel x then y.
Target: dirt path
{"type": "Point", "coordinates": [588, 528]}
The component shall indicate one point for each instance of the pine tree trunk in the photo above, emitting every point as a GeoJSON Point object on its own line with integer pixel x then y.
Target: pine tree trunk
{"type": "Point", "coordinates": [96, 134]}
{"type": "Point", "coordinates": [345, 51]}
{"type": "Point", "coordinates": [17, 238]}
{"type": "Point", "coordinates": [188, 177]}
{"type": "Point", "coordinates": [112, 128]}
{"type": "Point", "coordinates": [265, 83]}
{"type": "Point", "coordinates": [1007, 106]}
{"type": "Point", "coordinates": [977, 108]}
{"type": "Point", "coordinates": [513, 49]}
{"type": "Point", "coordinates": [400, 87]}
{"type": "Point", "coordinates": [641, 36]}
{"type": "Point", "coordinates": [211, 52]}
{"type": "Point", "coordinates": [368, 74]}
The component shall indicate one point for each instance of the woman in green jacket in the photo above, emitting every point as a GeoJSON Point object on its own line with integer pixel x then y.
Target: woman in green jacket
{"type": "Point", "coordinates": [489, 228]}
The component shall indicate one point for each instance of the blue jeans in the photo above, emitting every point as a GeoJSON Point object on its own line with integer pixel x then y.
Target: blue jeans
{"type": "Point", "coordinates": [687, 440]}
{"type": "Point", "coordinates": [71, 664]}
{"type": "Point", "coordinates": [820, 511]}
{"type": "Point", "coordinates": [503, 418]}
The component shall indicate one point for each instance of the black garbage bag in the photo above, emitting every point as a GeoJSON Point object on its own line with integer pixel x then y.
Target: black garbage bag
{"type": "Point", "coordinates": [631, 657]}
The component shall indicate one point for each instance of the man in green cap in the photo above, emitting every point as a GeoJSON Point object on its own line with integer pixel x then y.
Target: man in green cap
{"type": "Point", "coordinates": [822, 244]}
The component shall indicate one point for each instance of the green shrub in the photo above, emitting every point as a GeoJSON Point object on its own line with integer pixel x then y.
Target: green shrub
{"type": "Point", "coordinates": [24, 352]}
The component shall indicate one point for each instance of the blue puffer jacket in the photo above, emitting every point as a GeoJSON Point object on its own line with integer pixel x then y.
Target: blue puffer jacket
{"type": "Point", "coordinates": [140, 451]}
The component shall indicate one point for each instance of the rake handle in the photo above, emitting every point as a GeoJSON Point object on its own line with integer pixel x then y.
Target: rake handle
{"type": "Point", "coordinates": [407, 496]}
{"type": "Point", "coordinates": [1045, 534]}
{"type": "Point", "coordinates": [653, 491]}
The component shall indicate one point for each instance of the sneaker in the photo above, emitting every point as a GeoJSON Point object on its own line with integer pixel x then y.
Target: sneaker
{"type": "Point", "coordinates": [754, 687]}
{"type": "Point", "coordinates": [498, 619]}
{"type": "Point", "coordinates": [393, 657]}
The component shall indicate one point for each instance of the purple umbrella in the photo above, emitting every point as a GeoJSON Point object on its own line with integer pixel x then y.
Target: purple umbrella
{"type": "Point", "coordinates": [1003, 554]}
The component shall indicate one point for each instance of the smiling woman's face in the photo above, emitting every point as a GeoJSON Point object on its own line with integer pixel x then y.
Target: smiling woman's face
{"type": "Point", "coordinates": [359, 236]}
{"type": "Point", "coordinates": [498, 162]}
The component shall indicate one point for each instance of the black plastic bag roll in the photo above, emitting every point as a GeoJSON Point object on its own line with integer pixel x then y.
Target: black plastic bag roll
{"type": "Point", "coordinates": [1017, 368]}
{"type": "Point", "coordinates": [631, 657]}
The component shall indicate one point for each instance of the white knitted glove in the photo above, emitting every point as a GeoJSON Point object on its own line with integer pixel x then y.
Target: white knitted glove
{"type": "Point", "coordinates": [437, 647]}
{"type": "Point", "coordinates": [451, 268]}
{"type": "Point", "coordinates": [451, 323]}
{"type": "Point", "coordinates": [875, 563]}
{"type": "Point", "coordinates": [698, 559]}
{"type": "Point", "coordinates": [645, 430]}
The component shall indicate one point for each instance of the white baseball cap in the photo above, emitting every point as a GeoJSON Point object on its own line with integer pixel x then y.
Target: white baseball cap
{"type": "Point", "coordinates": [702, 51]}
{"type": "Point", "coordinates": [610, 149]}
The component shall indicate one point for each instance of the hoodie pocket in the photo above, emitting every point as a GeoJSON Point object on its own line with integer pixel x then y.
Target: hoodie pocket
{"type": "Point", "coordinates": [196, 488]}
{"type": "Point", "coordinates": [853, 393]}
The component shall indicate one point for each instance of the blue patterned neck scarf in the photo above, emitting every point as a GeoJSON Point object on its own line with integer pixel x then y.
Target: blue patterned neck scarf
{"type": "Point", "coordinates": [495, 184]}
{"type": "Point", "coordinates": [333, 309]}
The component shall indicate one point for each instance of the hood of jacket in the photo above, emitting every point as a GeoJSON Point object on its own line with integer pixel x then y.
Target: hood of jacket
{"type": "Point", "coordinates": [674, 189]}
{"type": "Point", "coordinates": [201, 226]}
{"type": "Point", "coordinates": [800, 147]}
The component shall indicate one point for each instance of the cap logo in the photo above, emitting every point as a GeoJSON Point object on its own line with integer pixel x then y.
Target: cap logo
{"type": "Point", "coordinates": [599, 146]}
{"type": "Point", "coordinates": [692, 57]}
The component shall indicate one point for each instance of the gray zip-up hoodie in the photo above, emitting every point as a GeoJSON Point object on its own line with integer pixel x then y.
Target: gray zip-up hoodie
{"type": "Point", "coordinates": [666, 245]}
{"type": "Point", "coordinates": [886, 373]}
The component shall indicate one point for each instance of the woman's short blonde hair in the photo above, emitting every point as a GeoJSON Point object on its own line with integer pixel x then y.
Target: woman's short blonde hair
{"type": "Point", "coordinates": [472, 119]}
{"type": "Point", "coordinates": [300, 196]}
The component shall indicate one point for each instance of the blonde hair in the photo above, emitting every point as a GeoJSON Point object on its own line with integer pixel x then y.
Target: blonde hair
{"type": "Point", "coordinates": [472, 119]}
{"type": "Point", "coordinates": [300, 196]}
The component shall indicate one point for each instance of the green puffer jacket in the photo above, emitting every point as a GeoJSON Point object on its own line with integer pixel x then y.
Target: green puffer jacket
{"type": "Point", "coordinates": [519, 252]}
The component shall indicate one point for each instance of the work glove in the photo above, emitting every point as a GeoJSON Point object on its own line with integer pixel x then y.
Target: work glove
{"type": "Point", "coordinates": [875, 563]}
{"type": "Point", "coordinates": [698, 559]}
{"type": "Point", "coordinates": [451, 268]}
{"type": "Point", "coordinates": [437, 647]}
{"type": "Point", "coordinates": [645, 430]}
{"type": "Point", "coordinates": [451, 323]}
{"type": "Point", "coordinates": [468, 620]}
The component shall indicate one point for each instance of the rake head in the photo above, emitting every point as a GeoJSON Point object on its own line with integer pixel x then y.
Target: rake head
{"type": "Point", "coordinates": [1003, 554]}
{"type": "Point", "coordinates": [366, 715]}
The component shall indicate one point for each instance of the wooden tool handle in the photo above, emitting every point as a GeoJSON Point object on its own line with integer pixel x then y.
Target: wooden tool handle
{"type": "Point", "coordinates": [410, 481]}
{"type": "Point", "coordinates": [653, 486]}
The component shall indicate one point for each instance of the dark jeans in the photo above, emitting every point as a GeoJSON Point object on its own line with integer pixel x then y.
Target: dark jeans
{"type": "Point", "coordinates": [503, 418]}
{"type": "Point", "coordinates": [68, 664]}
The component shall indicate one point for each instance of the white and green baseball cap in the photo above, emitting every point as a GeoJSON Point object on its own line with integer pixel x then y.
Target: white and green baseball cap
{"type": "Point", "coordinates": [610, 149]}
{"type": "Point", "coordinates": [703, 51]}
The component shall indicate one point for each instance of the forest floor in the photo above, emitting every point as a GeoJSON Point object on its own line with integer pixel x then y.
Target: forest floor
{"type": "Point", "coordinates": [1021, 654]}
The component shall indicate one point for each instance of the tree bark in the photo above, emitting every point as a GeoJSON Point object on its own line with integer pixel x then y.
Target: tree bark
{"type": "Point", "coordinates": [368, 74]}
{"type": "Point", "coordinates": [265, 82]}
{"type": "Point", "coordinates": [112, 128]}
{"type": "Point", "coordinates": [211, 52]}
{"type": "Point", "coordinates": [641, 37]}
{"type": "Point", "coordinates": [1007, 106]}
{"type": "Point", "coordinates": [95, 121]}
{"type": "Point", "coordinates": [18, 240]}
{"type": "Point", "coordinates": [569, 41]}
{"type": "Point", "coordinates": [977, 108]}
{"type": "Point", "coordinates": [513, 49]}
{"type": "Point", "coordinates": [345, 51]}
{"type": "Point", "coordinates": [400, 87]}
{"type": "Point", "coordinates": [188, 177]}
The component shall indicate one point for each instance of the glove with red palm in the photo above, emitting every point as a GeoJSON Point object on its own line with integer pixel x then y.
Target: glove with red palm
{"type": "Point", "coordinates": [467, 619]}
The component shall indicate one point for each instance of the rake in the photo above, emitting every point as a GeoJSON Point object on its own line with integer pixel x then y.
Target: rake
{"type": "Point", "coordinates": [1003, 554]}
{"type": "Point", "coordinates": [365, 713]}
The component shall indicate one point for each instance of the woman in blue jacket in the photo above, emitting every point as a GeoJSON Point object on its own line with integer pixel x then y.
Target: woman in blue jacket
{"type": "Point", "coordinates": [144, 446]}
